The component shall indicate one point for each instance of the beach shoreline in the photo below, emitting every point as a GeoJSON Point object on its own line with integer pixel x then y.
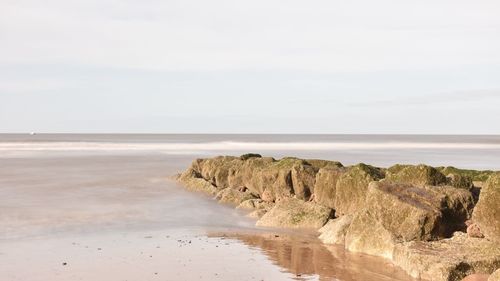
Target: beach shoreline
{"type": "Point", "coordinates": [113, 199]}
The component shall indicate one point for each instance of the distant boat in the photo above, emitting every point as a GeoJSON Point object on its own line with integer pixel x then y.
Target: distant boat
{"type": "Point", "coordinates": [32, 133]}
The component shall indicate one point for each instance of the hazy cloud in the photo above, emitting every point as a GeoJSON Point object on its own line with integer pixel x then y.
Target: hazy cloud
{"type": "Point", "coordinates": [249, 66]}
{"type": "Point", "coordinates": [437, 98]}
{"type": "Point", "coordinates": [234, 35]}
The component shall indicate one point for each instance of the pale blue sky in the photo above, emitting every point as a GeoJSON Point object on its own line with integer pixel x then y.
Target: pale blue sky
{"type": "Point", "coordinates": [250, 66]}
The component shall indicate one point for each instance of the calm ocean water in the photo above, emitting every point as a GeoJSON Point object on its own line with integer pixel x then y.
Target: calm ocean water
{"type": "Point", "coordinates": [464, 151]}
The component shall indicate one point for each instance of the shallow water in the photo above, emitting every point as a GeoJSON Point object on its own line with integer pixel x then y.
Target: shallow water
{"type": "Point", "coordinates": [62, 197]}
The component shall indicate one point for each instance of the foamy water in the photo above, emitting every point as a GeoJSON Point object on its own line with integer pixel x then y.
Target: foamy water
{"type": "Point", "coordinates": [476, 152]}
{"type": "Point", "coordinates": [230, 146]}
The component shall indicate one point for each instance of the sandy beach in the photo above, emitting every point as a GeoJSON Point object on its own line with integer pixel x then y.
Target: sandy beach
{"type": "Point", "coordinates": [95, 215]}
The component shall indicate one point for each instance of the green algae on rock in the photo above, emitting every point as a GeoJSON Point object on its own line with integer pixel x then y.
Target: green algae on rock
{"type": "Point", "coordinates": [487, 211]}
{"type": "Point", "coordinates": [295, 213]}
{"type": "Point", "coordinates": [419, 213]}
{"type": "Point", "coordinates": [335, 230]}
{"type": "Point", "coordinates": [233, 196]}
{"type": "Point", "coordinates": [250, 155]}
{"type": "Point", "coordinates": [449, 259]}
{"type": "Point", "coordinates": [194, 182]}
{"type": "Point", "coordinates": [495, 276]}
{"type": "Point", "coordinates": [406, 213]}
{"type": "Point", "coordinates": [419, 175]}
{"type": "Point", "coordinates": [352, 186]}
{"type": "Point", "coordinates": [472, 174]}
{"type": "Point", "coordinates": [326, 186]}
{"type": "Point", "coordinates": [254, 204]}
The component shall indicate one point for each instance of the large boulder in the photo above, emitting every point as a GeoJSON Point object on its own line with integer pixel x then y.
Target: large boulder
{"type": "Point", "coordinates": [487, 211]}
{"type": "Point", "coordinates": [326, 186]}
{"type": "Point", "coordinates": [367, 235]}
{"type": "Point", "coordinates": [193, 181]}
{"type": "Point", "coordinates": [217, 170]}
{"type": "Point", "coordinates": [334, 231]}
{"type": "Point", "coordinates": [303, 179]}
{"type": "Point", "coordinates": [319, 164]}
{"type": "Point", "coordinates": [247, 174]}
{"type": "Point", "coordinates": [408, 212]}
{"type": "Point", "coordinates": [265, 177]}
{"type": "Point", "coordinates": [396, 213]}
{"type": "Point", "coordinates": [448, 259]}
{"type": "Point", "coordinates": [295, 213]}
{"type": "Point", "coordinates": [419, 213]}
{"type": "Point", "coordinates": [352, 187]}
{"type": "Point", "coordinates": [272, 184]}
{"type": "Point", "coordinates": [460, 181]}
{"type": "Point", "coordinates": [457, 206]}
{"type": "Point", "coordinates": [420, 175]}
{"type": "Point", "coordinates": [233, 196]}
{"type": "Point", "coordinates": [258, 207]}
{"type": "Point", "coordinates": [273, 180]}
{"type": "Point", "coordinates": [254, 204]}
{"type": "Point", "coordinates": [474, 175]}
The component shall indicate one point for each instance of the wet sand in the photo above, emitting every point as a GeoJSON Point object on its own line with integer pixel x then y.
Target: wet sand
{"type": "Point", "coordinates": [119, 217]}
{"type": "Point", "coordinates": [185, 255]}
{"type": "Point", "coordinates": [73, 213]}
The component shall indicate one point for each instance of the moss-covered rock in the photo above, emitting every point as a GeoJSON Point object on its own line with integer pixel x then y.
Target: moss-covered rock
{"type": "Point", "coordinates": [475, 175]}
{"type": "Point", "coordinates": [248, 174]}
{"type": "Point", "coordinates": [250, 155]}
{"type": "Point", "coordinates": [280, 179]}
{"type": "Point", "coordinates": [258, 213]}
{"type": "Point", "coordinates": [295, 213]}
{"type": "Point", "coordinates": [367, 235]}
{"type": "Point", "coordinates": [274, 183]}
{"type": "Point", "coordinates": [487, 211]}
{"type": "Point", "coordinates": [449, 259]}
{"type": "Point", "coordinates": [334, 231]}
{"type": "Point", "coordinates": [258, 207]}
{"type": "Point", "coordinates": [303, 179]}
{"type": "Point", "coordinates": [407, 212]}
{"type": "Point", "coordinates": [352, 187]}
{"type": "Point", "coordinates": [218, 169]}
{"type": "Point", "coordinates": [326, 185]}
{"type": "Point", "coordinates": [405, 216]}
{"type": "Point", "coordinates": [320, 164]}
{"type": "Point", "coordinates": [460, 181]}
{"type": "Point", "coordinates": [457, 206]}
{"type": "Point", "coordinates": [397, 213]}
{"type": "Point", "coordinates": [420, 175]}
{"type": "Point", "coordinates": [193, 181]}
{"type": "Point", "coordinates": [254, 204]}
{"type": "Point", "coordinates": [419, 213]}
{"type": "Point", "coordinates": [495, 276]}
{"type": "Point", "coordinates": [233, 196]}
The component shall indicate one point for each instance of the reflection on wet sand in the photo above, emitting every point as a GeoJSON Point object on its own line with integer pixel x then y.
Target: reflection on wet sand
{"type": "Point", "coordinates": [305, 256]}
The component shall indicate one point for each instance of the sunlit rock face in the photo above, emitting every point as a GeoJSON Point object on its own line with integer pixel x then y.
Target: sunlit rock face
{"type": "Point", "coordinates": [495, 276]}
{"type": "Point", "coordinates": [417, 216]}
{"type": "Point", "coordinates": [487, 212]}
{"type": "Point", "coordinates": [352, 187]}
{"type": "Point", "coordinates": [295, 213]}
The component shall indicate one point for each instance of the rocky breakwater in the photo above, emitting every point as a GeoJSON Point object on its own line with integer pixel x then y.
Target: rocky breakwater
{"type": "Point", "coordinates": [435, 223]}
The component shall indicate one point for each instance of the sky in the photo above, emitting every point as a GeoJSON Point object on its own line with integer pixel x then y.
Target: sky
{"type": "Point", "coordinates": [261, 66]}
